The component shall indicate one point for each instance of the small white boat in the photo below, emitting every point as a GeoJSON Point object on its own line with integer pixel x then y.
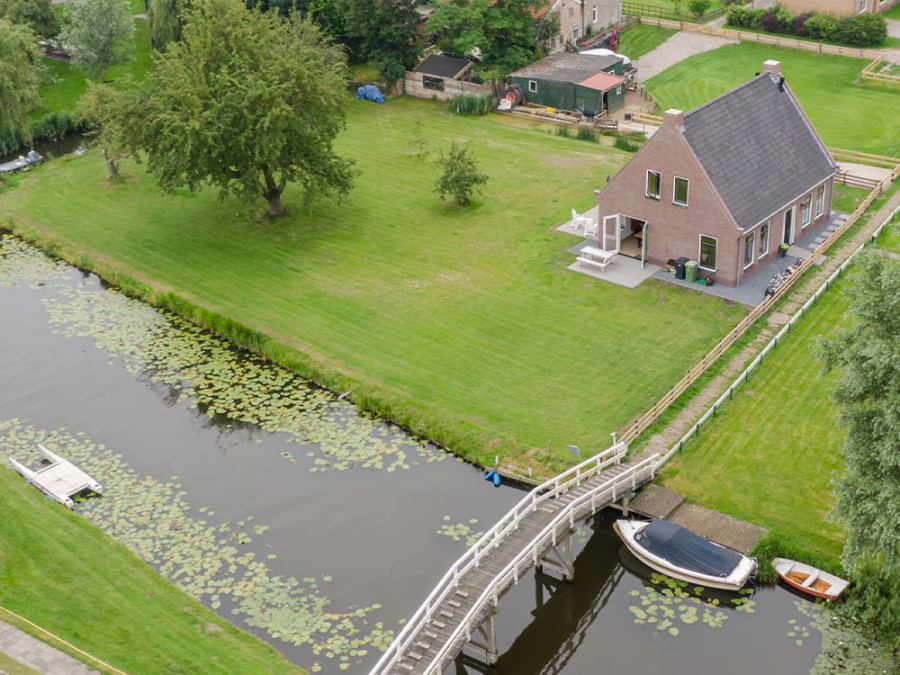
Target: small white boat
{"type": "Point", "coordinates": [677, 552]}
{"type": "Point", "coordinates": [61, 480]}
{"type": "Point", "coordinates": [808, 579]}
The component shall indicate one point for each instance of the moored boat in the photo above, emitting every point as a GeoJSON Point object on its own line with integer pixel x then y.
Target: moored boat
{"type": "Point", "coordinates": [677, 552]}
{"type": "Point", "coordinates": [808, 579]}
{"type": "Point", "coordinates": [21, 162]}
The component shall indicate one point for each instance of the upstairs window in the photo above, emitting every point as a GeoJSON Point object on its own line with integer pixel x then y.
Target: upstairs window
{"type": "Point", "coordinates": [680, 195]}
{"type": "Point", "coordinates": [820, 201]}
{"type": "Point", "coordinates": [653, 181]}
{"type": "Point", "coordinates": [594, 14]}
{"type": "Point", "coordinates": [708, 253]}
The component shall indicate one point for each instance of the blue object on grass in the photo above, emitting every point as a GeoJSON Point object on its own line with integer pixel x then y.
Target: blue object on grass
{"type": "Point", "coordinates": [369, 92]}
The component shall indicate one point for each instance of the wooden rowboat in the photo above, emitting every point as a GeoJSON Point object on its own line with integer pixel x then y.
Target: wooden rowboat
{"type": "Point", "coordinates": [808, 579]}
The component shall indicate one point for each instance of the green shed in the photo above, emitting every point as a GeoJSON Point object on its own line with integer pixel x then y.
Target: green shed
{"type": "Point", "coordinates": [569, 81]}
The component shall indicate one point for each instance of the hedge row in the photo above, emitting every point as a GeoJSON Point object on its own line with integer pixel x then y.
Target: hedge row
{"type": "Point", "coordinates": [860, 30]}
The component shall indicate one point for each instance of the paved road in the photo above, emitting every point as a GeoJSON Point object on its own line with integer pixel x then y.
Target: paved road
{"type": "Point", "coordinates": [37, 655]}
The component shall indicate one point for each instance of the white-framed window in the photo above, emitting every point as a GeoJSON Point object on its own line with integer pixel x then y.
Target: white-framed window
{"type": "Point", "coordinates": [763, 240]}
{"type": "Point", "coordinates": [532, 86]}
{"type": "Point", "coordinates": [862, 6]}
{"type": "Point", "coordinates": [820, 200]}
{"type": "Point", "coordinates": [680, 191]}
{"type": "Point", "coordinates": [574, 32]}
{"type": "Point", "coordinates": [653, 182]}
{"type": "Point", "coordinates": [707, 255]}
{"type": "Point", "coordinates": [594, 14]}
{"type": "Point", "coordinates": [619, 88]}
{"type": "Point", "coordinates": [748, 249]}
{"type": "Point", "coordinates": [804, 210]}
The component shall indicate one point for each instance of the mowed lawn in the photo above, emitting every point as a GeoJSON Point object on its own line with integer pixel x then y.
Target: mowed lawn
{"type": "Point", "coordinates": [64, 574]}
{"type": "Point", "coordinates": [769, 455]}
{"type": "Point", "coordinates": [464, 322]}
{"type": "Point", "coordinates": [642, 38]}
{"type": "Point", "coordinates": [846, 114]}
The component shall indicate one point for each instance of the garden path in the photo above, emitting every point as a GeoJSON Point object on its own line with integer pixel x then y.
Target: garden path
{"type": "Point", "coordinates": [677, 48]}
{"type": "Point", "coordinates": [38, 656]}
{"type": "Point", "coordinates": [670, 435]}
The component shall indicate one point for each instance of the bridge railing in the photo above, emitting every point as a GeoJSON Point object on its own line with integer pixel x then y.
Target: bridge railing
{"type": "Point", "coordinates": [491, 539]}
{"type": "Point", "coordinates": [590, 501]}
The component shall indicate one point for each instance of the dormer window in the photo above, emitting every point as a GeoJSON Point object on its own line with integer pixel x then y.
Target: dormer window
{"type": "Point", "coordinates": [653, 181]}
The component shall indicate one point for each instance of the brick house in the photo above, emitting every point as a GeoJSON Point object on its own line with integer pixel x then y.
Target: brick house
{"type": "Point", "coordinates": [579, 17]}
{"type": "Point", "coordinates": [724, 184]}
{"type": "Point", "coordinates": [839, 7]}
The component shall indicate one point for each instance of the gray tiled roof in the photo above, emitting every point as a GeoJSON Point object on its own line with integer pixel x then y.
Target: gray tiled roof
{"type": "Point", "coordinates": [566, 67]}
{"type": "Point", "coordinates": [758, 148]}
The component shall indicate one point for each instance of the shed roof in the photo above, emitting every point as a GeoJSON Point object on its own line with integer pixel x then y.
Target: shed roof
{"type": "Point", "coordinates": [758, 148]}
{"type": "Point", "coordinates": [602, 81]}
{"type": "Point", "coordinates": [443, 66]}
{"type": "Point", "coordinates": [566, 67]}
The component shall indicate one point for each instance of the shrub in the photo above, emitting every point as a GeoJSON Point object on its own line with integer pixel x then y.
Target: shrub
{"type": "Point", "coordinates": [624, 143]}
{"type": "Point", "coordinates": [768, 21]}
{"type": "Point", "coordinates": [799, 28]}
{"type": "Point", "coordinates": [585, 134]}
{"type": "Point", "coordinates": [785, 19]}
{"type": "Point", "coordinates": [698, 7]}
{"type": "Point", "coordinates": [744, 17]}
{"type": "Point", "coordinates": [822, 26]}
{"type": "Point", "coordinates": [465, 104]}
{"type": "Point", "coordinates": [862, 30]}
{"type": "Point", "coordinates": [562, 131]}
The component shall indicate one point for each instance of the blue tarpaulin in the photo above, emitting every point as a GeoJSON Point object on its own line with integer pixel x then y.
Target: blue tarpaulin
{"type": "Point", "coordinates": [369, 92]}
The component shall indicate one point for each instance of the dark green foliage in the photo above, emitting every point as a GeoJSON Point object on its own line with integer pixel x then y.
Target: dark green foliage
{"type": "Point", "coordinates": [624, 143]}
{"type": "Point", "coordinates": [800, 29]}
{"type": "Point", "coordinates": [467, 104]}
{"type": "Point", "coordinates": [460, 178]}
{"type": "Point", "coordinates": [165, 22]}
{"type": "Point", "coordinates": [39, 15]}
{"type": "Point", "coordinates": [744, 17]}
{"type": "Point", "coordinates": [384, 32]}
{"type": "Point", "coordinates": [19, 79]}
{"type": "Point", "coordinates": [503, 31]}
{"type": "Point", "coordinates": [50, 127]}
{"type": "Point", "coordinates": [875, 598]}
{"type": "Point", "coordinates": [585, 134]}
{"type": "Point", "coordinates": [862, 30]}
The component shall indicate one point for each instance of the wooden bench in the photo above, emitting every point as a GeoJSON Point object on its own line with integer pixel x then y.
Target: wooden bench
{"type": "Point", "coordinates": [591, 255]}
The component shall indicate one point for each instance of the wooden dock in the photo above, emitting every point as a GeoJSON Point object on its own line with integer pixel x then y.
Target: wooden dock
{"type": "Point", "coordinates": [654, 501]}
{"type": "Point", "coordinates": [61, 480]}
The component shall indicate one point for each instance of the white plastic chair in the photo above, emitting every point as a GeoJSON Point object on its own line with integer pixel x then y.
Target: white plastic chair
{"type": "Point", "coordinates": [577, 221]}
{"type": "Point", "coordinates": [590, 227]}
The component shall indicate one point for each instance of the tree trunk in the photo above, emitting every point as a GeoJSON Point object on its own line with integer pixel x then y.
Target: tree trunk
{"type": "Point", "coordinates": [111, 164]}
{"type": "Point", "coordinates": [272, 193]}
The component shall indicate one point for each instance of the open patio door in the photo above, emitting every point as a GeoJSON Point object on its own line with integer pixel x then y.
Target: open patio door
{"type": "Point", "coordinates": [612, 231]}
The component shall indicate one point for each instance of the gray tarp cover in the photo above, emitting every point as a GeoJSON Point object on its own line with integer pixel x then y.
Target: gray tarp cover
{"type": "Point", "coordinates": [687, 550]}
{"type": "Point", "coordinates": [370, 92]}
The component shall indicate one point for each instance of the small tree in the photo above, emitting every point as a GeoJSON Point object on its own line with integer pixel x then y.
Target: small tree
{"type": "Point", "coordinates": [461, 178]}
{"type": "Point", "coordinates": [98, 34]}
{"type": "Point", "coordinates": [111, 113]}
{"type": "Point", "coordinates": [19, 80]}
{"type": "Point", "coordinates": [699, 7]}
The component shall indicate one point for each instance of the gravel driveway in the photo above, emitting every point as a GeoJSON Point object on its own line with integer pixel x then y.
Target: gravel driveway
{"type": "Point", "coordinates": [677, 48]}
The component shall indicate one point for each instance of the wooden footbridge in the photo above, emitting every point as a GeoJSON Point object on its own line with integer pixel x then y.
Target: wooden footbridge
{"type": "Point", "coordinates": [459, 612]}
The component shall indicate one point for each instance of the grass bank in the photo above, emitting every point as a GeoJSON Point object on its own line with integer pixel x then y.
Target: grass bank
{"type": "Point", "coordinates": [769, 455]}
{"type": "Point", "coordinates": [463, 324]}
{"type": "Point", "coordinates": [67, 576]}
{"type": "Point", "coordinates": [846, 113]}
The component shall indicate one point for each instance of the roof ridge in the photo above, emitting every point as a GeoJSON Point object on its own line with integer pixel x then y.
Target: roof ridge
{"type": "Point", "coordinates": [727, 93]}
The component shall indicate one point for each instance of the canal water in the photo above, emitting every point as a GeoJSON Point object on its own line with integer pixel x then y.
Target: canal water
{"type": "Point", "coordinates": [49, 148]}
{"type": "Point", "coordinates": [317, 528]}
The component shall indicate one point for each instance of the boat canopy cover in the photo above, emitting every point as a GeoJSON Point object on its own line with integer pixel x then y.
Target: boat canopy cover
{"type": "Point", "coordinates": [683, 548]}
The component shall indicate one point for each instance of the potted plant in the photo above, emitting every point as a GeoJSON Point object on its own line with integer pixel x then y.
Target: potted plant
{"type": "Point", "coordinates": [783, 249]}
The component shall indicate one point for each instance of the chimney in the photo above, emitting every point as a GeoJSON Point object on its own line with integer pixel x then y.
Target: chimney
{"type": "Point", "coordinates": [673, 118]}
{"type": "Point", "coordinates": [773, 67]}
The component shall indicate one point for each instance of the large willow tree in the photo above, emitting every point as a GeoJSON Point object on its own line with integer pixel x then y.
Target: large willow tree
{"type": "Point", "coordinates": [165, 22]}
{"type": "Point", "coordinates": [19, 80]}
{"type": "Point", "coordinates": [247, 101]}
{"type": "Point", "coordinates": [867, 494]}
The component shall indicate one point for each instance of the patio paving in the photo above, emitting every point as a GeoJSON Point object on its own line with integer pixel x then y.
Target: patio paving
{"type": "Point", "coordinates": [627, 271]}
